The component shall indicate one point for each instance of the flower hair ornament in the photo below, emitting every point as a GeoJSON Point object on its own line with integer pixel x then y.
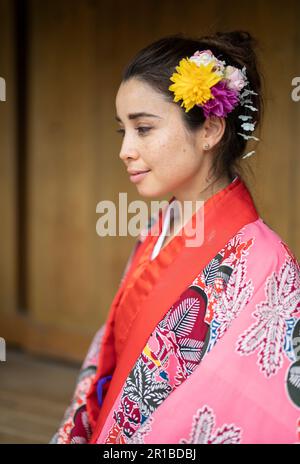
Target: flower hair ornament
{"type": "Point", "coordinates": [207, 82]}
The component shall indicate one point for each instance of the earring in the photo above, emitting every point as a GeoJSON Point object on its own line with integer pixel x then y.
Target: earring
{"type": "Point", "coordinates": [206, 146]}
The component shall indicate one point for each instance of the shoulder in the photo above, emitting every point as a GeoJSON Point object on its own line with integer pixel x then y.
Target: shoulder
{"type": "Point", "coordinates": [267, 243]}
{"type": "Point", "coordinates": [270, 259]}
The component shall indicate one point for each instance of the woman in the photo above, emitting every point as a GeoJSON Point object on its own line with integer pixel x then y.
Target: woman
{"type": "Point", "coordinates": [201, 344]}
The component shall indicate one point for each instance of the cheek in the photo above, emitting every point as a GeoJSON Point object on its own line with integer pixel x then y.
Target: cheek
{"type": "Point", "coordinates": [176, 160]}
{"type": "Point", "coordinates": [168, 149]}
{"type": "Point", "coordinates": [170, 156]}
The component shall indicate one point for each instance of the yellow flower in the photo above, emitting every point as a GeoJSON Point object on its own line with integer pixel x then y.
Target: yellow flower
{"type": "Point", "coordinates": [192, 83]}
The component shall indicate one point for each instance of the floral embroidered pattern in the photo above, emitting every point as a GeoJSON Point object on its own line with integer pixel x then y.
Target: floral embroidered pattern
{"type": "Point", "coordinates": [229, 292]}
{"type": "Point", "coordinates": [142, 432]}
{"type": "Point", "coordinates": [267, 334]}
{"type": "Point", "coordinates": [81, 432]}
{"type": "Point", "coordinates": [202, 430]}
{"type": "Point", "coordinates": [233, 299]}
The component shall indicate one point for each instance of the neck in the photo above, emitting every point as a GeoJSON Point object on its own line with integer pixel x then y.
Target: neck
{"type": "Point", "coordinates": [211, 189]}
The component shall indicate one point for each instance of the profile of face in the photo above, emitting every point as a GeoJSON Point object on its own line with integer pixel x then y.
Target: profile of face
{"type": "Point", "coordinates": [156, 142]}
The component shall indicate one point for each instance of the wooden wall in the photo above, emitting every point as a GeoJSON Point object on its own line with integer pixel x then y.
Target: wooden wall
{"type": "Point", "coordinates": [8, 169]}
{"type": "Point", "coordinates": [59, 150]}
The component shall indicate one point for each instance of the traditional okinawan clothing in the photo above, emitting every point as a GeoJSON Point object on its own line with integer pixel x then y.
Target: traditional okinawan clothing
{"type": "Point", "coordinates": [202, 343]}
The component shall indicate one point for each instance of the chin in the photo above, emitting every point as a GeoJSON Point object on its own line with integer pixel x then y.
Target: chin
{"type": "Point", "coordinates": [147, 192]}
{"type": "Point", "coordinates": [149, 195]}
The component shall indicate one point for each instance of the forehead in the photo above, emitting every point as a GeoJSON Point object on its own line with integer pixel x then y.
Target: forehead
{"type": "Point", "coordinates": [136, 96]}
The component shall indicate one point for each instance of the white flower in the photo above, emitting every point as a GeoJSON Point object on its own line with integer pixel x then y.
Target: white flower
{"type": "Point", "coordinates": [205, 57]}
{"type": "Point", "coordinates": [236, 79]}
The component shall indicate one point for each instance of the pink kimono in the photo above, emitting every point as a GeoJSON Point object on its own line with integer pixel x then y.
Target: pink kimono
{"type": "Point", "coordinates": [221, 363]}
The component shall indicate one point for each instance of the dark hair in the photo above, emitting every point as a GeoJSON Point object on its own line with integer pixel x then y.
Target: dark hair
{"type": "Point", "coordinates": [155, 64]}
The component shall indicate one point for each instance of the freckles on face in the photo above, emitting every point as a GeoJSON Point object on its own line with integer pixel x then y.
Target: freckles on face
{"type": "Point", "coordinates": [174, 158]}
{"type": "Point", "coordinates": [167, 149]}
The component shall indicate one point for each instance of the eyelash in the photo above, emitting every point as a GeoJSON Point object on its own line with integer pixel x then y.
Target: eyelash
{"type": "Point", "coordinates": [143, 130]}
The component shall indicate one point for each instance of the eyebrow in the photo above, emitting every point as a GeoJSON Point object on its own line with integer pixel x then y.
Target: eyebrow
{"type": "Point", "coordinates": [141, 114]}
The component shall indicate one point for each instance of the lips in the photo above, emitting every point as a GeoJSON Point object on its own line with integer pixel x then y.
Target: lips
{"type": "Point", "coordinates": [136, 175]}
{"type": "Point", "coordinates": [133, 172]}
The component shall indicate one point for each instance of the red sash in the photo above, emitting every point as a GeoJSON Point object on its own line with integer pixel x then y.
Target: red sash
{"type": "Point", "coordinates": [150, 288]}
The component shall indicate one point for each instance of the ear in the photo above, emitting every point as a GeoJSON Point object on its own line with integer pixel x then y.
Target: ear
{"type": "Point", "coordinates": [212, 131]}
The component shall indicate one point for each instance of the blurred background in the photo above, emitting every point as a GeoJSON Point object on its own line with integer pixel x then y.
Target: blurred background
{"type": "Point", "coordinates": [62, 62]}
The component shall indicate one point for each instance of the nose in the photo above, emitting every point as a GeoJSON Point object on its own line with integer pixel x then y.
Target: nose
{"type": "Point", "coordinates": [128, 152]}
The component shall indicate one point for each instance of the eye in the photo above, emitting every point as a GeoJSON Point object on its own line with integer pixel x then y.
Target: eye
{"type": "Point", "coordinates": [143, 130]}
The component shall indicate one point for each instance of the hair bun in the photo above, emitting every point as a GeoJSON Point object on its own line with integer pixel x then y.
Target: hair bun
{"type": "Point", "coordinates": [237, 38]}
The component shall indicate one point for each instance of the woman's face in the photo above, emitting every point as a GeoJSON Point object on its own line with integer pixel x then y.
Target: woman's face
{"type": "Point", "coordinates": [159, 144]}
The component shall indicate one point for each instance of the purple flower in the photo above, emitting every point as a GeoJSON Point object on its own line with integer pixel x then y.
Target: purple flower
{"type": "Point", "coordinates": [224, 101]}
